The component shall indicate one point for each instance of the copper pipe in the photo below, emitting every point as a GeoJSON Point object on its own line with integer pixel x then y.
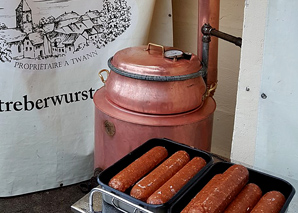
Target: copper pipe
{"type": "Point", "coordinates": [209, 13]}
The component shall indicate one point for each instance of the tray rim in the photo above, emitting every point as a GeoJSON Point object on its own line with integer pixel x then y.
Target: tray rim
{"type": "Point", "coordinates": [288, 198]}
{"type": "Point", "coordinates": [161, 207]}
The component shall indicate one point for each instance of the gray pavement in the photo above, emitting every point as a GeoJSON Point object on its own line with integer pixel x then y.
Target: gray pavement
{"type": "Point", "coordinates": [55, 200]}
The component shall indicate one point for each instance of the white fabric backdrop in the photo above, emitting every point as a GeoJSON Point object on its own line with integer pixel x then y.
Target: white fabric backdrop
{"type": "Point", "coordinates": [51, 52]}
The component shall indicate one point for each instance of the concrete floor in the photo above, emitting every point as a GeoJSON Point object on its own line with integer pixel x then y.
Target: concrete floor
{"type": "Point", "coordinates": [55, 200]}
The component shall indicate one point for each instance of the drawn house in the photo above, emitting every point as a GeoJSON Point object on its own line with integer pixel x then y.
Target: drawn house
{"type": "Point", "coordinates": [55, 37]}
{"type": "Point", "coordinates": [99, 28]}
{"type": "Point", "coordinates": [91, 35]}
{"type": "Point", "coordinates": [41, 45]}
{"type": "Point", "coordinates": [58, 48]}
{"type": "Point", "coordinates": [93, 15]}
{"type": "Point", "coordinates": [14, 40]}
{"type": "Point", "coordinates": [69, 43]}
{"type": "Point", "coordinates": [49, 27]}
{"type": "Point", "coordinates": [81, 26]}
{"type": "Point", "coordinates": [88, 24]}
{"type": "Point", "coordinates": [100, 32]}
{"type": "Point", "coordinates": [24, 17]}
{"type": "Point", "coordinates": [36, 45]}
{"type": "Point", "coordinates": [69, 39]}
{"type": "Point", "coordinates": [74, 42]}
{"type": "Point", "coordinates": [66, 19]}
{"type": "Point", "coordinates": [75, 27]}
{"type": "Point", "coordinates": [64, 30]}
{"type": "Point", "coordinates": [28, 51]}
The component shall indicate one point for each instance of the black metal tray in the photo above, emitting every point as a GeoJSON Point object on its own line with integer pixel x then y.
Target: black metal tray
{"type": "Point", "coordinates": [171, 146]}
{"type": "Point", "coordinates": [265, 181]}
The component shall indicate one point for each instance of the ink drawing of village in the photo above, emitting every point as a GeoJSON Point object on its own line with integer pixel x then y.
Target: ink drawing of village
{"type": "Point", "coordinates": [63, 35]}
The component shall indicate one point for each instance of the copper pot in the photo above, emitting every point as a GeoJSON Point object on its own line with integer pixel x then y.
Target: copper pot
{"type": "Point", "coordinates": [118, 131]}
{"type": "Point", "coordinates": [155, 80]}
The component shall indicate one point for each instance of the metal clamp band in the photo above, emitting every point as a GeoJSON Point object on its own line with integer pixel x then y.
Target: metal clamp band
{"type": "Point", "coordinates": [201, 72]}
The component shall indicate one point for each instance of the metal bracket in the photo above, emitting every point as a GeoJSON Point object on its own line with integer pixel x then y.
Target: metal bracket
{"type": "Point", "coordinates": [207, 30]}
{"type": "Point", "coordinates": [115, 199]}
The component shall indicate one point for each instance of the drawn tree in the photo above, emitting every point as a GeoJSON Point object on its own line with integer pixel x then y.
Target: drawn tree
{"type": "Point", "coordinates": [5, 52]}
{"type": "Point", "coordinates": [107, 16]}
{"type": "Point", "coordinates": [43, 21]}
{"type": "Point", "coordinates": [115, 19]}
{"type": "Point", "coordinates": [35, 27]}
{"type": "Point", "coordinates": [51, 19]}
{"type": "Point", "coordinates": [124, 14]}
{"type": "Point", "coordinates": [3, 26]}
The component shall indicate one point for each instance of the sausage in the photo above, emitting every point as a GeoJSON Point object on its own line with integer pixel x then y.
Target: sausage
{"type": "Point", "coordinates": [155, 179]}
{"type": "Point", "coordinates": [203, 193]}
{"type": "Point", "coordinates": [172, 186]}
{"type": "Point", "coordinates": [271, 202]}
{"type": "Point", "coordinates": [219, 197]}
{"type": "Point", "coordinates": [139, 168]}
{"type": "Point", "coordinates": [245, 200]}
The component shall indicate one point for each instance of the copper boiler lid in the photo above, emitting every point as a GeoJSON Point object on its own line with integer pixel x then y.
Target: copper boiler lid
{"type": "Point", "coordinates": [155, 63]}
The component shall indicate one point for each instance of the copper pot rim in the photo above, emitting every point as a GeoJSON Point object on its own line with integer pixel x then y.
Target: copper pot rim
{"type": "Point", "coordinates": [109, 108]}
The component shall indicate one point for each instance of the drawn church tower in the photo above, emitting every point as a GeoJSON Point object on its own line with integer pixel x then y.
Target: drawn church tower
{"type": "Point", "coordinates": [24, 17]}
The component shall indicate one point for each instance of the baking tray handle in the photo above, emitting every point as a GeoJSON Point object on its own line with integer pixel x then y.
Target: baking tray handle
{"type": "Point", "coordinates": [114, 197]}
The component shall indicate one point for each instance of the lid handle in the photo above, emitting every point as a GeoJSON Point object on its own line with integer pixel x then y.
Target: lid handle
{"type": "Point", "coordinates": [156, 45]}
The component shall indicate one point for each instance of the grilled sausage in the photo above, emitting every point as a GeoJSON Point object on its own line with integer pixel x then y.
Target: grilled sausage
{"type": "Point", "coordinates": [271, 202]}
{"type": "Point", "coordinates": [172, 186]}
{"type": "Point", "coordinates": [137, 169]}
{"type": "Point", "coordinates": [245, 200]}
{"type": "Point", "coordinates": [203, 193]}
{"type": "Point", "coordinates": [231, 183]}
{"type": "Point", "coordinates": [155, 179]}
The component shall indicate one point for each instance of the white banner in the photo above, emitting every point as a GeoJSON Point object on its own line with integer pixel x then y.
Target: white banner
{"type": "Point", "coordinates": [50, 54]}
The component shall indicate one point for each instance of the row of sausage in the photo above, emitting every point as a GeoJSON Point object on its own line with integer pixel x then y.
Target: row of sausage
{"type": "Point", "coordinates": [157, 184]}
{"type": "Point", "coordinates": [230, 192]}
{"type": "Point", "coordinates": [155, 178]}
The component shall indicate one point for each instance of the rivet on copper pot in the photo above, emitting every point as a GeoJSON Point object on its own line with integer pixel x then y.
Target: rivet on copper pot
{"type": "Point", "coordinates": [263, 95]}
